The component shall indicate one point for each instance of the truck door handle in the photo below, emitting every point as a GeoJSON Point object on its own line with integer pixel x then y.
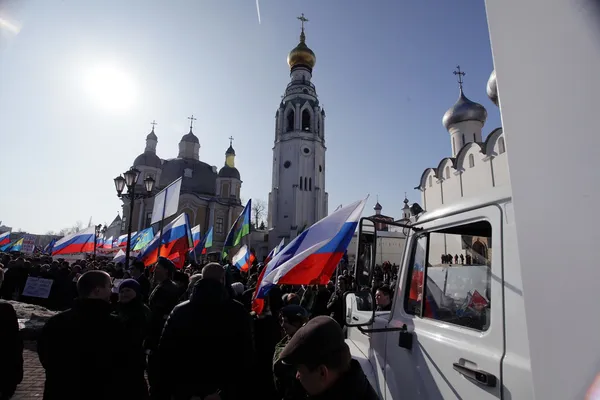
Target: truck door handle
{"type": "Point", "coordinates": [476, 375]}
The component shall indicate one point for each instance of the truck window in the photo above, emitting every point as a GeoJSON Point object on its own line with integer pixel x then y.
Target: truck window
{"type": "Point", "coordinates": [453, 266]}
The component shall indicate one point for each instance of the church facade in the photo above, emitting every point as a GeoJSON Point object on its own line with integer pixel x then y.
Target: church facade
{"type": "Point", "coordinates": [298, 198]}
{"type": "Point", "coordinates": [209, 196]}
{"type": "Point", "coordinates": [476, 166]}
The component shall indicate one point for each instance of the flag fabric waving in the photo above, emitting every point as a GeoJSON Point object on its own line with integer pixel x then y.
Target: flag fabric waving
{"type": "Point", "coordinates": [17, 245]}
{"type": "Point", "coordinates": [258, 303]}
{"type": "Point", "coordinates": [239, 229]}
{"type": "Point", "coordinates": [4, 238]}
{"type": "Point", "coordinates": [195, 237]}
{"type": "Point", "coordinates": [243, 259]}
{"type": "Point", "coordinates": [312, 257]}
{"type": "Point", "coordinates": [142, 239]}
{"type": "Point", "coordinates": [206, 242]}
{"type": "Point", "coordinates": [275, 250]}
{"type": "Point", "coordinates": [176, 239]}
{"type": "Point", "coordinates": [49, 246]}
{"type": "Point", "coordinates": [79, 242]}
{"type": "Point", "coordinates": [166, 202]}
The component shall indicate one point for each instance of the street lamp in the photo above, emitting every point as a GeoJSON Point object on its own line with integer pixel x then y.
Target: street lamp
{"type": "Point", "coordinates": [97, 231]}
{"type": "Point", "coordinates": [129, 179]}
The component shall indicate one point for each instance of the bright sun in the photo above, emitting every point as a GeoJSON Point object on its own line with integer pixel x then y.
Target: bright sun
{"type": "Point", "coordinates": [110, 87]}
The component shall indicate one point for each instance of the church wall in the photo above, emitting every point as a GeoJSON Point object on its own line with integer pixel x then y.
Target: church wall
{"type": "Point", "coordinates": [432, 194]}
{"type": "Point", "coordinates": [501, 176]}
{"type": "Point", "coordinates": [463, 133]}
{"type": "Point", "coordinates": [478, 178]}
{"type": "Point", "coordinates": [451, 185]}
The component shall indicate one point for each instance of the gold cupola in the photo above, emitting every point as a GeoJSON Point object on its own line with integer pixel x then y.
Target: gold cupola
{"type": "Point", "coordinates": [302, 55]}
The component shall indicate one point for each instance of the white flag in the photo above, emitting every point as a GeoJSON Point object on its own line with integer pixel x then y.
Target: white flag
{"type": "Point", "coordinates": [166, 202]}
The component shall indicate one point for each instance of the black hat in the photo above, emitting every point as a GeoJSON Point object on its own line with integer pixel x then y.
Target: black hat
{"type": "Point", "coordinates": [294, 313]}
{"type": "Point", "coordinates": [314, 342]}
{"type": "Point", "coordinates": [166, 264]}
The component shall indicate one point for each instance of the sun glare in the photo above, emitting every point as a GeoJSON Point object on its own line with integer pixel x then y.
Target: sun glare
{"type": "Point", "coordinates": [110, 87]}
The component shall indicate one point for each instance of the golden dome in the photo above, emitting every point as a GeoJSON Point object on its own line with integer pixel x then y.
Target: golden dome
{"type": "Point", "coordinates": [302, 55]}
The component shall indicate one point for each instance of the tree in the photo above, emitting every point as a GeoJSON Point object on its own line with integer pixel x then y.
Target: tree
{"type": "Point", "coordinates": [258, 211]}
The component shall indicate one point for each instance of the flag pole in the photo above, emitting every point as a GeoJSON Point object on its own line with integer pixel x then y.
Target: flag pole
{"type": "Point", "coordinates": [162, 222]}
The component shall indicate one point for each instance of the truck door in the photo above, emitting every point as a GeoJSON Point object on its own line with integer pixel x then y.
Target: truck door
{"type": "Point", "coordinates": [450, 296]}
{"type": "Point", "coordinates": [373, 346]}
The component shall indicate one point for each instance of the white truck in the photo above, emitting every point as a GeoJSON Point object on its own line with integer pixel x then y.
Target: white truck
{"type": "Point", "coordinates": [518, 319]}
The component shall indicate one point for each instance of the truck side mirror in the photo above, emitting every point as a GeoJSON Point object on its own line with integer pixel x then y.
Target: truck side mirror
{"type": "Point", "coordinates": [359, 308]}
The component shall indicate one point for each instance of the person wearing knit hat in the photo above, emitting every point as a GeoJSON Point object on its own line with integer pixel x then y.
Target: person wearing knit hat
{"type": "Point", "coordinates": [323, 362]}
{"type": "Point", "coordinates": [291, 318]}
{"type": "Point", "coordinates": [128, 290]}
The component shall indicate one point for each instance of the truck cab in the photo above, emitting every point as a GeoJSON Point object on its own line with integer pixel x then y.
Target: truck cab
{"type": "Point", "coordinates": [457, 327]}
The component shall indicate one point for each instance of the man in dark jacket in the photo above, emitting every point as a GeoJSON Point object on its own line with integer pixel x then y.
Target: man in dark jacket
{"type": "Point", "coordinates": [83, 349]}
{"type": "Point", "coordinates": [137, 272]}
{"type": "Point", "coordinates": [325, 367]}
{"type": "Point", "coordinates": [206, 347]}
{"type": "Point", "coordinates": [11, 348]}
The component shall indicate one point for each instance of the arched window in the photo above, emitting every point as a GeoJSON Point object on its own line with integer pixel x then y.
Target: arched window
{"type": "Point", "coordinates": [453, 146]}
{"type": "Point", "coordinates": [305, 120]}
{"type": "Point", "coordinates": [463, 139]}
{"type": "Point", "coordinates": [310, 184]}
{"type": "Point", "coordinates": [225, 190]}
{"type": "Point", "coordinates": [471, 161]}
{"type": "Point", "coordinates": [474, 138]}
{"type": "Point", "coordinates": [501, 146]}
{"type": "Point", "coordinates": [447, 172]}
{"type": "Point", "coordinates": [305, 183]}
{"type": "Point", "coordinates": [290, 121]}
{"type": "Point", "coordinates": [300, 183]}
{"type": "Point", "coordinates": [430, 180]}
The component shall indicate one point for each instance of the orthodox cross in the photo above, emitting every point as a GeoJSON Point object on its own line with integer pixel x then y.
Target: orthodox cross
{"type": "Point", "coordinates": [460, 75]}
{"type": "Point", "coordinates": [230, 141]}
{"type": "Point", "coordinates": [303, 20]}
{"type": "Point", "coordinates": [192, 119]}
{"type": "Point", "coordinates": [153, 123]}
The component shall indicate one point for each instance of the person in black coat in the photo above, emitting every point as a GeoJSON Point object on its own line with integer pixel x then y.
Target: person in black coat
{"type": "Point", "coordinates": [11, 348]}
{"type": "Point", "coordinates": [137, 272]}
{"type": "Point", "coordinates": [324, 365]}
{"type": "Point", "coordinates": [135, 316]}
{"type": "Point", "coordinates": [83, 349]}
{"type": "Point", "coordinates": [206, 347]}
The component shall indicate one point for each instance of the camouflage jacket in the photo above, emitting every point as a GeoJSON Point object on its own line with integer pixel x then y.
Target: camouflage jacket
{"type": "Point", "coordinates": [286, 384]}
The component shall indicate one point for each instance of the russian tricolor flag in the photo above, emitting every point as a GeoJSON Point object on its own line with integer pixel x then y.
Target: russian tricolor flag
{"type": "Point", "coordinates": [176, 239]}
{"type": "Point", "coordinates": [243, 259]}
{"type": "Point", "coordinates": [311, 258]}
{"type": "Point", "coordinates": [79, 242]}
{"type": "Point", "coordinates": [275, 250]}
{"type": "Point", "coordinates": [122, 240]}
{"type": "Point", "coordinates": [4, 238]}
{"type": "Point", "coordinates": [195, 236]}
{"type": "Point", "coordinates": [107, 244]}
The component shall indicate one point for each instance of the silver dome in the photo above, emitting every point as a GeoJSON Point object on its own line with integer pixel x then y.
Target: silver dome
{"type": "Point", "coordinates": [492, 88]}
{"type": "Point", "coordinates": [464, 110]}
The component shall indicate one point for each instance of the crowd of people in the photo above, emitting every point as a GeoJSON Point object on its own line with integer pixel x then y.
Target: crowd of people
{"type": "Point", "coordinates": [163, 333]}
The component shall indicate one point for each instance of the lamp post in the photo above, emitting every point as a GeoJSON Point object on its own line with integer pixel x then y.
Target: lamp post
{"type": "Point", "coordinates": [96, 234]}
{"type": "Point", "coordinates": [130, 179]}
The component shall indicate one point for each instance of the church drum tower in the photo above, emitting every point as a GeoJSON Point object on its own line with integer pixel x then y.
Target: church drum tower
{"type": "Point", "coordinates": [298, 198]}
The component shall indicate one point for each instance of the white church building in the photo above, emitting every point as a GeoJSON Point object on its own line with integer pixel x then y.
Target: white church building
{"type": "Point", "coordinates": [298, 198]}
{"type": "Point", "coordinates": [475, 166]}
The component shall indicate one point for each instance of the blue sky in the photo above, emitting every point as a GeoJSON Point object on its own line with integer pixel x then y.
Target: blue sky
{"type": "Point", "coordinates": [383, 75]}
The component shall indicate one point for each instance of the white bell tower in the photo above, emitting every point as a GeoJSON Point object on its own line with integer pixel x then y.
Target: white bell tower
{"type": "Point", "coordinates": [298, 198]}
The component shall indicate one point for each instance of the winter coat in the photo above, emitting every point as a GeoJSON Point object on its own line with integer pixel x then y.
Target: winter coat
{"type": "Point", "coordinates": [85, 354]}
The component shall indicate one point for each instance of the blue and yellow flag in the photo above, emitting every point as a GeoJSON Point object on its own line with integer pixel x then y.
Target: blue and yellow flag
{"type": "Point", "coordinates": [239, 229]}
